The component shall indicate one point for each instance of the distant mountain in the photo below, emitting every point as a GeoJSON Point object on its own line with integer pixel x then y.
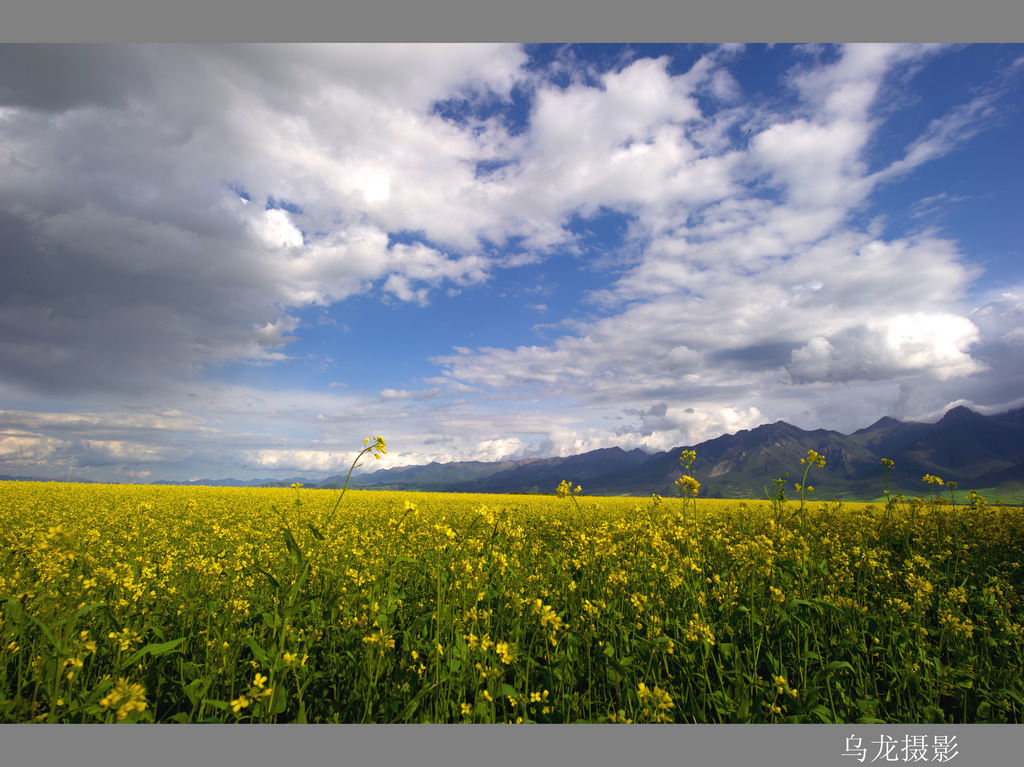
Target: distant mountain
{"type": "Point", "coordinates": [976, 451]}
{"type": "Point", "coordinates": [429, 476]}
{"type": "Point", "coordinates": [232, 482]}
{"type": "Point", "coordinates": [12, 478]}
{"type": "Point", "coordinates": [221, 482]}
{"type": "Point", "coordinates": [531, 475]}
{"type": "Point", "coordinates": [972, 449]}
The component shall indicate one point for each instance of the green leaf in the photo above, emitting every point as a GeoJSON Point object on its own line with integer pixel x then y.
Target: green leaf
{"type": "Point", "coordinates": [621, 666]}
{"type": "Point", "coordinates": [413, 704]}
{"type": "Point", "coordinates": [112, 618]}
{"type": "Point", "coordinates": [280, 700]}
{"type": "Point", "coordinates": [293, 592]}
{"type": "Point", "coordinates": [801, 621]}
{"type": "Point", "coordinates": [46, 631]}
{"type": "Point", "coordinates": [257, 652]}
{"type": "Point", "coordinates": [840, 664]}
{"type": "Point", "coordinates": [1014, 695]}
{"type": "Point", "coordinates": [196, 689]}
{"type": "Point", "coordinates": [292, 545]}
{"type": "Point", "coordinates": [268, 576]}
{"type": "Point", "coordinates": [830, 606]}
{"type": "Point", "coordinates": [822, 714]}
{"type": "Point", "coordinates": [15, 609]}
{"type": "Point", "coordinates": [155, 650]}
{"type": "Point", "coordinates": [459, 647]}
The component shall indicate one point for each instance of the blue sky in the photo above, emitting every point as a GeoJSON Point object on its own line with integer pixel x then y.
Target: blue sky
{"type": "Point", "coordinates": [242, 260]}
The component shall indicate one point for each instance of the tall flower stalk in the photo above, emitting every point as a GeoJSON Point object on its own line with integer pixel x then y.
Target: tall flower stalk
{"type": "Point", "coordinates": [376, 448]}
{"type": "Point", "coordinates": [687, 486]}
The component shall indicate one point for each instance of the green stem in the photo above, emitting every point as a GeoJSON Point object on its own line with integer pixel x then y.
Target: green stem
{"type": "Point", "coordinates": [337, 503]}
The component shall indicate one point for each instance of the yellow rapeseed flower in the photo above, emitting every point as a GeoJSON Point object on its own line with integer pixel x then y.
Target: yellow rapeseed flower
{"type": "Point", "coordinates": [505, 652]}
{"type": "Point", "coordinates": [239, 703]}
{"type": "Point", "coordinates": [125, 698]}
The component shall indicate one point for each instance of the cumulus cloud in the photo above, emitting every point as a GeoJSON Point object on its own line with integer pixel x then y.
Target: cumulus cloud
{"type": "Point", "coordinates": [936, 344]}
{"type": "Point", "coordinates": [662, 427]}
{"type": "Point", "coordinates": [757, 293]}
{"type": "Point", "coordinates": [141, 217]}
{"type": "Point", "coordinates": [706, 327]}
{"type": "Point", "coordinates": [497, 449]}
{"type": "Point", "coordinates": [167, 209]}
{"type": "Point", "coordinates": [24, 448]}
{"type": "Point", "coordinates": [301, 460]}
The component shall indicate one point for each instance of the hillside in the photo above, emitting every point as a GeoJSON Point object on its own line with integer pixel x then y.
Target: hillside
{"type": "Point", "coordinates": [972, 449]}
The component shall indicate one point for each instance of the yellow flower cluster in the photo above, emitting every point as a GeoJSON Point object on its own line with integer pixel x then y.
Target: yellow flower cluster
{"type": "Point", "coordinates": [655, 703]}
{"type": "Point", "coordinates": [565, 489]}
{"type": "Point", "coordinates": [813, 458]}
{"type": "Point", "coordinates": [687, 485]}
{"type": "Point", "coordinates": [126, 698]}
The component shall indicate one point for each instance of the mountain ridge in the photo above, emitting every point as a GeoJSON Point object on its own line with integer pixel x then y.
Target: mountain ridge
{"type": "Point", "coordinates": [974, 450]}
{"type": "Point", "coordinates": [969, 448]}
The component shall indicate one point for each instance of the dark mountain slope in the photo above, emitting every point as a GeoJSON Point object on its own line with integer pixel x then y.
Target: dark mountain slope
{"type": "Point", "coordinates": [963, 446]}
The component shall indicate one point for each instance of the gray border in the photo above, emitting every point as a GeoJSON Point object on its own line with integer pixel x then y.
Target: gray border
{"type": "Point", "coordinates": [727, 745]}
{"type": "Point", "coordinates": [517, 21]}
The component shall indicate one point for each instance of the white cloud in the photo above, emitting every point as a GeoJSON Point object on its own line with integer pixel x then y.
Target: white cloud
{"type": "Point", "coordinates": [135, 266]}
{"type": "Point", "coordinates": [145, 236]}
{"type": "Point", "coordinates": [301, 460]}
{"type": "Point", "coordinates": [276, 230]}
{"type": "Point", "coordinates": [662, 427]}
{"type": "Point", "coordinates": [813, 313]}
{"type": "Point", "coordinates": [944, 133]}
{"type": "Point", "coordinates": [91, 422]}
{"type": "Point", "coordinates": [272, 334]}
{"type": "Point", "coordinates": [501, 448]}
{"type": "Point", "coordinates": [1001, 317]}
{"type": "Point", "coordinates": [23, 448]}
{"type": "Point", "coordinates": [754, 292]}
{"type": "Point", "coordinates": [388, 394]}
{"type": "Point", "coordinates": [935, 344]}
{"type": "Point", "coordinates": [100, 452]}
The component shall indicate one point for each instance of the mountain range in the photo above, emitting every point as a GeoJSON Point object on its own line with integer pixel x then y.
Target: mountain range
{"type": "Point", "coordinates": [982, 452]}
{"type": "Point", "coordinates": [976, 451]}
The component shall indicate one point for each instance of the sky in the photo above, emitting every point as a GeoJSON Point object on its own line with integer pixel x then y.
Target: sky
{"type": "Point", "coordinates": [241, 261]}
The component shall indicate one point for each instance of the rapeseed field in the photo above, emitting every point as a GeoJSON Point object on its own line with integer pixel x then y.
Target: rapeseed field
{"type": "Point", "coordinates": [189, 604]}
